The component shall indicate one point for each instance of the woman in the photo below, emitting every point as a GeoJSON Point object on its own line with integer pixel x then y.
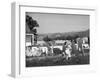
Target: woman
{"type": "Point", "coordinates": [64, 48]}
{"type": "Point", "coordinates": [68, 52]}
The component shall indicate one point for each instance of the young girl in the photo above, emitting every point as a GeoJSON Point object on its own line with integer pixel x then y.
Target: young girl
{"type": "Point", "coordinates": [68, 52]}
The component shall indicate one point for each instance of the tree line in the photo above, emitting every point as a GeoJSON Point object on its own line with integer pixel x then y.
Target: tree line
{"type": "Point", "coordinates": [47, 38]}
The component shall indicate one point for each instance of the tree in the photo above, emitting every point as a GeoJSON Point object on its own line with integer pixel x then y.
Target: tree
{"type": "Point", "coordinates": [30, 27]}
{"type": "Point", "coordinates": [31, 22]}
{"type": "Point", "coordinates": [46, 39]}
{"type": "Point", "coordinates": [69, 37]}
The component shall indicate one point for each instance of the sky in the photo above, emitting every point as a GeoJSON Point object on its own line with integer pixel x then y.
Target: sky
{"type": "Point", "coordinates": [59, 23]}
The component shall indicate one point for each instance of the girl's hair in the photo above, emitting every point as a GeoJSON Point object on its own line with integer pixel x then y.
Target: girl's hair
{"type": "Point", "coordinates": [65, 43]}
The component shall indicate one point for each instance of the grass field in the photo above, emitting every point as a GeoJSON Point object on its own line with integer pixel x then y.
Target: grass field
{"type": "Point", "coordinates": [56, 60]}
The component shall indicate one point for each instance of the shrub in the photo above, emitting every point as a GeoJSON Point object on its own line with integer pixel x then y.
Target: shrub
{"type": "Point", "coordinates": [57, 51]}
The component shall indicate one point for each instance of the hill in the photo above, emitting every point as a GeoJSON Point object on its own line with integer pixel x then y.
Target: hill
{"type": "Point", "coordinates": [64, 35]}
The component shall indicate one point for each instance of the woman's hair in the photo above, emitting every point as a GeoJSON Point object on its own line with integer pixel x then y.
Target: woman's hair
{"type": "Point", "coordinates": [65, 43]}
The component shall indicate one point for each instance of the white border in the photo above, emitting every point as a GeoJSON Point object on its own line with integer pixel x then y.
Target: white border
{"type": "Point", "coordinates": [21, 70]}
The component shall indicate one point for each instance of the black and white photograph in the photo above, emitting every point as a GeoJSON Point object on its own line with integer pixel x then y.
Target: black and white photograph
{"type": "Point", "coordinates": [54, 39]}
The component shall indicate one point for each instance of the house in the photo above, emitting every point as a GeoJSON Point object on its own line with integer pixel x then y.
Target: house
{"type": "Point", "coordinates": [29, 39]}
